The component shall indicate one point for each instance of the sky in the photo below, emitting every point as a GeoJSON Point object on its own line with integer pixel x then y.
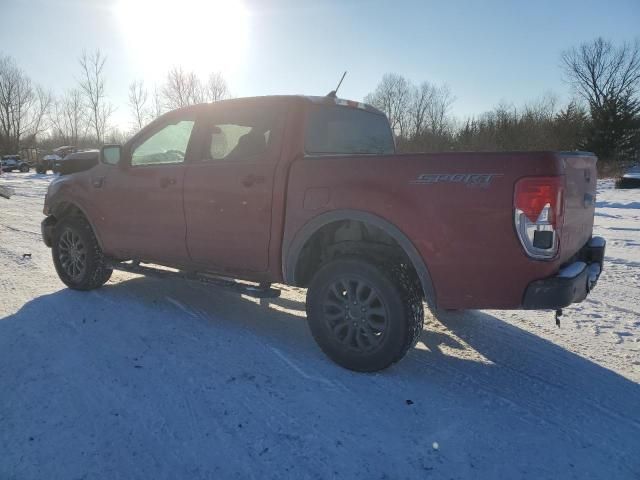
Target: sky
{"type": "Point", "coordinates": [487, 52]}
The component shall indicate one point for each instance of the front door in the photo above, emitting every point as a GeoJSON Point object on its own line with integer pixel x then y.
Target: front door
{"type": "Point", "coordinates": [228, 187]}
{"type": "Point", "coordinates": [142, 200]}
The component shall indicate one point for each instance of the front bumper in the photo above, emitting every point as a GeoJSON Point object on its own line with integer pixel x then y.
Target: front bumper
{"type": "Point", "coordinates": [572, 284]}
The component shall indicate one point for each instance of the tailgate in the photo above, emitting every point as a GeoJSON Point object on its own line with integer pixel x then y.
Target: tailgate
{"type": "Point", "coordinates": [580, 195]}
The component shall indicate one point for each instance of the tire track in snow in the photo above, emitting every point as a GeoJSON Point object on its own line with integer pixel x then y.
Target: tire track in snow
{"type": "Point", "coordinates": [37, 234]}
{"type": "Point", "coordinates": [300, 371]}
{"type": "Point", "coordinates": [182, 307]}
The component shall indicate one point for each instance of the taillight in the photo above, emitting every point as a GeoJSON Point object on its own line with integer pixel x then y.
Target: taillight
{"type": "Point", "coordinates": [539, 203]}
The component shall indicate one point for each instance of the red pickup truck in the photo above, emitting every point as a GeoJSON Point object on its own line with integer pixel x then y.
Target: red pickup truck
{"type": "Point", "coordinates": [309, 191]}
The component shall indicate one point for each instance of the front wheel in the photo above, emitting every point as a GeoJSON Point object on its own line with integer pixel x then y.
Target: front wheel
{"type": "Point", "coordinates": [24, 168]}
{"type": "Point", "coordinates": [78, 259]}
{"type": "Point", "coordinates": [365, 317]}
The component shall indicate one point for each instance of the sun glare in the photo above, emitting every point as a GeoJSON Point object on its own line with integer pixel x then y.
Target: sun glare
{"type": "Point", "coordinates": [200, 35]}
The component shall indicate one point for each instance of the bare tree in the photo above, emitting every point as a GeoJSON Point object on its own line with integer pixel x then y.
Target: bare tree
{"type": "Point", "coordinates": [181, 89]}
{"type": "Point", "coordinates": [115, 135]}
{"type": "Point", "coordinates": [138, 97]}
{"type": "Point", "coordinates": [599, 71]}
{"type": "Point", "coordinates": [608, 78]}
{"type": "Point", "coordinates": [412, 111]}
{"type": "Point", "coordinates": [393, 97]}
{"type": "Point", "coordinates": [420, 99]}
{"type": "Point", "coordinates": [157, 107]}
{"type": "Point", "coordinates": [543, 108]}
{"type": "Point", "coordinates": [69, 117]}
{"type": "Point", "coordinates": [92, 84]}
{"type": "Point", "coordinates": [216, 88]}
{"type": "Point", "coordinates": [419, 116]}
{"type": "Point", "coordinates": [23, 106]}
{"type": "Point", "coordinates": [438, 109]}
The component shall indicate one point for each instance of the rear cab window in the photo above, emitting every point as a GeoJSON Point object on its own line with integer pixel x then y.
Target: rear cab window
{"type": "Point", "coordinates": [342, 130]}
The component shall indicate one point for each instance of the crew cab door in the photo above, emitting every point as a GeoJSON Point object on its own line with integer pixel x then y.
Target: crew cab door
{"type": "Point", "coordinates": [142, 199]}
{"type": "Point", "coordinates": [228, 187]}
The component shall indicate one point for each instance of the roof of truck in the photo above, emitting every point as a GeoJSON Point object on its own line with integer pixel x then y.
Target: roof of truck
{"type": "Point", "coordinates": [315, 99]}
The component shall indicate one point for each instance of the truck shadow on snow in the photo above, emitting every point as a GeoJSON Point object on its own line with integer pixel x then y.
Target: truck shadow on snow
{"type": "Point", "coordinates": [144, 367]}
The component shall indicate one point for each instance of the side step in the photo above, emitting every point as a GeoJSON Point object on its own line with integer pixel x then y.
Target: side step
{"type": "Point", "coordinates": [257, 291]}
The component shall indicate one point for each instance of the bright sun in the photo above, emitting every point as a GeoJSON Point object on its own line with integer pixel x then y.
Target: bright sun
{"type": "Point", "coordinates": [200, 35]}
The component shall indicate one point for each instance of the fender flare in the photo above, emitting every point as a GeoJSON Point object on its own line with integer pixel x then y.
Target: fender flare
{"type": "Point", "coordinates": [58, 208]}
{"type": "Point", "coordinates": [291, 253]}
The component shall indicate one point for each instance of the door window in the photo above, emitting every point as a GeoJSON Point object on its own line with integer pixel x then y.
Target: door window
{"type": "Point", "coordinates": [167, 145]}
{"type": "Point", "coordinates": [230, 141]}
{"type": "Point", "coordinates": [241, 133]}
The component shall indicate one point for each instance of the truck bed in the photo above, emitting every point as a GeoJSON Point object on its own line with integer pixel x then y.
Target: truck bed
{"type": "Point", "coordinates": [458, 210]}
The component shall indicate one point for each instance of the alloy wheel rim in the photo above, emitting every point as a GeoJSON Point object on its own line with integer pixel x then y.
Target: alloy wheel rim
{"type": "Point", "coordinates": [355, 314]}
{"type": "Point", "coordinates": [72, 254]}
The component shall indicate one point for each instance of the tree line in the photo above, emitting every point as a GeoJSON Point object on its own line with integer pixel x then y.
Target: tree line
{"type": "Point", "coordinates": [33, 117]}
{"type": "Point", "coordinates": [603, 116]}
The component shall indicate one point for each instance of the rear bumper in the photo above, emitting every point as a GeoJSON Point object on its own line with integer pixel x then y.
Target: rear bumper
{"type": "Point", "coordinates": [572, 284]}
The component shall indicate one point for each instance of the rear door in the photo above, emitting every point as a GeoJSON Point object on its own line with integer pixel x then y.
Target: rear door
{"type": "Point", "coordinates": [228, 187]}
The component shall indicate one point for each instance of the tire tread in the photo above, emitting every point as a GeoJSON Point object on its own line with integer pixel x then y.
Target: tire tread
{"type": "Point", "coordinates": [407, 286]}
{"type": "Point", "coordinates": [100, 271]}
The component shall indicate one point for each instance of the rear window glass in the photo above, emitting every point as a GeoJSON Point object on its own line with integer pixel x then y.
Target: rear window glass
{"type": "Point", "coordinates": [345, 130]}
{"type": "Point", "coordinates": [241, 132]}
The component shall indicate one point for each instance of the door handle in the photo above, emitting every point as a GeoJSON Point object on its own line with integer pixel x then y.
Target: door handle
{"type": "Point", "coordinates": [97, 182]}
{"type": "Point", "coordinates": [251, 179]}
{"type": "Point", "coordinates": [166, 181]}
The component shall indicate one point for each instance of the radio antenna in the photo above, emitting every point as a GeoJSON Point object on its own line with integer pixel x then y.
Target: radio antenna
{"type": "Point", "coordinates": [332, 93]}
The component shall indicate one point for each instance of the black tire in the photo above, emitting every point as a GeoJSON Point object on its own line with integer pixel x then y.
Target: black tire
{"type": "Point", "coordinates": [78, 259]}
{"type": "Point", "coordinates": [40, 169]}
{"type": "Point", "coordinates": [375, 331]}
{"type": "Point", "coordinates": [24, 168]}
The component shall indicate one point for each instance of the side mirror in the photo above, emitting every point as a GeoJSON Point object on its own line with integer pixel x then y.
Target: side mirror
{"type": "Point", "coordinates": [111, 154]}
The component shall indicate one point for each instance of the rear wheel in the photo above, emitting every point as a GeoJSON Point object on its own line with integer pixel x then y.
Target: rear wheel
{"type": "Point", "coordinates": [364, 317]}
{"type": "Point", "coordinates": [78, 259]}
{"type": "Point", "coordinates": [24, 168]}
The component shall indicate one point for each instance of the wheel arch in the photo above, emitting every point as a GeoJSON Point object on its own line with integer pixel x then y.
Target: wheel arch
{"type": "Point", "coordinates": [68, 208]}
{"type": "Point", "coordinates": [293, 250]}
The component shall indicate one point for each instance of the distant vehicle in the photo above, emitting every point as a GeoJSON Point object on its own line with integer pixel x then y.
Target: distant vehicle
{"type": "Point", "coordinates": [9, 163]}
{"type": "Point", "coordinates": [46, 163]}
{"type": "Point", "coordinates": [76, 161]}
{"type": "Point", "coordinates": [310, 192]}
{"type": "Point", "coordinates": [630, 179]}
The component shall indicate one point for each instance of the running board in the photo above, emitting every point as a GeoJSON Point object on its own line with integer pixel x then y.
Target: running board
{"type": "Point", "coordinates": [257, 291]}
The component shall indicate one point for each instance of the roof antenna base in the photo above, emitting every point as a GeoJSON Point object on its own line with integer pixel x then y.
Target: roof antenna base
{"type": "Point", "coordinates": [334, 93]}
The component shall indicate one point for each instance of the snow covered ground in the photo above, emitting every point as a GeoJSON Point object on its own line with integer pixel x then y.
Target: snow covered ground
{"type": "Point", "coordinates": [155, 379]}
